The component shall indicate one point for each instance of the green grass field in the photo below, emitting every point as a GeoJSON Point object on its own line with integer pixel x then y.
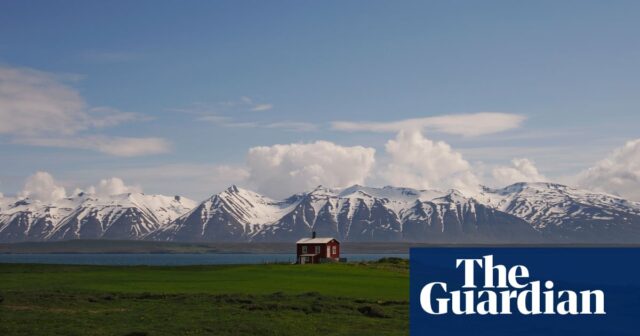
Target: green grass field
{"type": "Point", "coordinates": [328, 299]}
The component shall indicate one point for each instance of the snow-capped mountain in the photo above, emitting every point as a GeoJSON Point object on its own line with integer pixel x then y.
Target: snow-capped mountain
{"type": "Point", "coordinates": [568, 214]}
{"type": "Point", "coordinates": [126, 216]}
{"type": "Point", "coordinates": [232, 215]}
{"type": "Point", "coordinates": [455, 218]}
{"type": "Point", "coordinates": [356, 213]}
{"type": "Point", "coordinates": [520, 213]}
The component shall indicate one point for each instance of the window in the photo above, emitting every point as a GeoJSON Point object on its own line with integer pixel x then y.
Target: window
{"type": "Point", "coordinates": [317, 249]}
{"type": "Point", "coordinates": [304, 249]}
{"type": "Point", "coordinates": [334, 250]}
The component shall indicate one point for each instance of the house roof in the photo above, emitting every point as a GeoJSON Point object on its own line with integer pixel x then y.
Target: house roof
{"type": "Point", "coordinates": [315, 240]}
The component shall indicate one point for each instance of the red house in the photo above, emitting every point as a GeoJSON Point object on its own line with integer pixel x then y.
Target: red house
{"type": "Point", "coordinates": [316, 250]}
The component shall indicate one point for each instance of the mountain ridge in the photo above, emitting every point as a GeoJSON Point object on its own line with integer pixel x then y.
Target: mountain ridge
{"type": "Point", "coordinates": [519, 213]}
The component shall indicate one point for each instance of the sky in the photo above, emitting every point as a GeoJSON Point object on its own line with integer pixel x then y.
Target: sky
{"type": "Point", "coordinates": [189, 97]}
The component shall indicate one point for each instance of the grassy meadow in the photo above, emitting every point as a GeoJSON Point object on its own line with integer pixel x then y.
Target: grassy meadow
{"type": "Point", "coordinates": [327, 299]}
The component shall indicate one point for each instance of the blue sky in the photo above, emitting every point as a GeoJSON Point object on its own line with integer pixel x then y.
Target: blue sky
{"type": "Point", "coordinates": [190, 73]}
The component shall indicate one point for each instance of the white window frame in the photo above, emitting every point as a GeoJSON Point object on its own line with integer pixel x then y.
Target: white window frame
{"type": "Point", "coordinates": [334, 250]}
{"type": "Point", "coordinates": [304, 249]}
{"type": "Point", "coordinates": [318, 249]}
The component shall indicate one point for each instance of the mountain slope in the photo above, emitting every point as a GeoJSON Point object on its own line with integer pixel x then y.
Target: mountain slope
{"type": "Point", "coordinates": [566, 214]}
{"type": "Point", "coordinates": [126, 216]}
{"type": "Point", "coordinates": [356, 213]}
{"type": "Point", "coordinates": [455, 218]}
{"type": "Point", "coordinates": [232, 215]}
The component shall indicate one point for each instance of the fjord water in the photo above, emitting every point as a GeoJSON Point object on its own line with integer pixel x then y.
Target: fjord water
{"type": "Point", "coordinates": [166, 259]}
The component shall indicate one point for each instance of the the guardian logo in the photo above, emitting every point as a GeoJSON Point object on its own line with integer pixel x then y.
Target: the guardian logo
{"type": "Point", "coordinates": [505, 292]}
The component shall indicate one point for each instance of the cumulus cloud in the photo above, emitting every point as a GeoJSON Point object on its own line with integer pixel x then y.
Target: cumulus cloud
{"type": "Point", "coordinates": [282, 170]}
{"type": "Point", "coordinates": [473, 124]}
{"type": "Point", "coordinates": [40, 108]}
{"type": "Point", "coordinates": [113, 186]}
{"type": "Point", "coordinates": [522, 170]}
{"type": "Point", "coordinates": [116, 146]}
{"type": "Point", "coordinates": [196, 180]}
{"type": "Point", "coordinates": [222, 176]}
{"type": "Point", "coordinates": [619, 173]}
{"type": "Point", "coordinates": [43, 187]}
{"type": "Point", "coordinates": [418, 162]}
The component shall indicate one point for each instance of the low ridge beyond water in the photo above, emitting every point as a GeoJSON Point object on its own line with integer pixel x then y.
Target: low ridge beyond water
{"type": "Point", "coordinates": [172, 259]}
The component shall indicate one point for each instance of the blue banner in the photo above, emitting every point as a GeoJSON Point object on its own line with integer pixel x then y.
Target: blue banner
{"type": "Point", "coordinates": [524, 291]}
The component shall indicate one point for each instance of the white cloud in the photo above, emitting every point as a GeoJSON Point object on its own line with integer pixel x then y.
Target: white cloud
{"type": "Point", "coordinates": [235, 124]}
{"type": "Point", "coordinates": [522, 170]}
{"type": "Point", "coordinates": [39, 108]}
{"type": "Point", "coordinates": [474, 124]}
{"type": "Point", "coordinates": [292, 126]}
{"type": "Point", "coordinates": [233, 114]}
{"type": "Point", "coordinates": [248, 102]}
{"type": "Point", "coordinates": [282, 170]}
{"type": "Point", "coordinates": [32, 102]}
{"type": "Point", "coordinates": [418, 162]}
{"type": "Point", "coordinates": [295, 126]}
{"type": "Point", "coordinates": [36, 102]}
{"type": "Point", "coordinates": [216, 119]}
{"type": "Point", "coordinates": [195, 180]}
{"type": "Point", "coordinates": [117, 146]}
{"type": "Point", "coordinates": [619, 173]}
{"type": "Point", "coordinates": [103, 116]}
{"type": "Point", "coordinates": [261, 107]}
{"type": "Point", "coordinates": [223, 108]}
{"type": "Point", "coordinates": [43, 187]}
{"type": "Point", "coordinates": [223, 176]}
{"type": "Point", "coordinates": [113, 186]}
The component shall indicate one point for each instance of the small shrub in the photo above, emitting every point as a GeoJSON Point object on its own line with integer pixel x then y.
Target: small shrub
{"type": "Point", "coordinates": [372, 311]}
{"type": "Point", "coordinates": [392, 260]}
{"type": "Point", "coordinates": [253, 307]}
{"type": "Point", "coordinates": [108, 297]}
{"type": "Point", "coordinates": [310, 294]}
{"type": "Point", "coordinates": [277, 295]}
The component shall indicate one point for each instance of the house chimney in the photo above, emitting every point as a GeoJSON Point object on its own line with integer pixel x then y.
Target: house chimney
{"type": "Point", "coordinates": [313, 234]}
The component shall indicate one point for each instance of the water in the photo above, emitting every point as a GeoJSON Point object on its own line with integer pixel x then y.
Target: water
{"type": "Point", "coordinates": [173, 259]}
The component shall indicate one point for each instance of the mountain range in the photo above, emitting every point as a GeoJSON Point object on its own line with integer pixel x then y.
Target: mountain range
{"type": "Point", "coordinates": [519, 213]}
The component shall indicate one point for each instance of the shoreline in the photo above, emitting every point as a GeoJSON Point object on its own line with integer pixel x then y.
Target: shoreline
{"type": "Point", "coordinates": [150, 247]}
